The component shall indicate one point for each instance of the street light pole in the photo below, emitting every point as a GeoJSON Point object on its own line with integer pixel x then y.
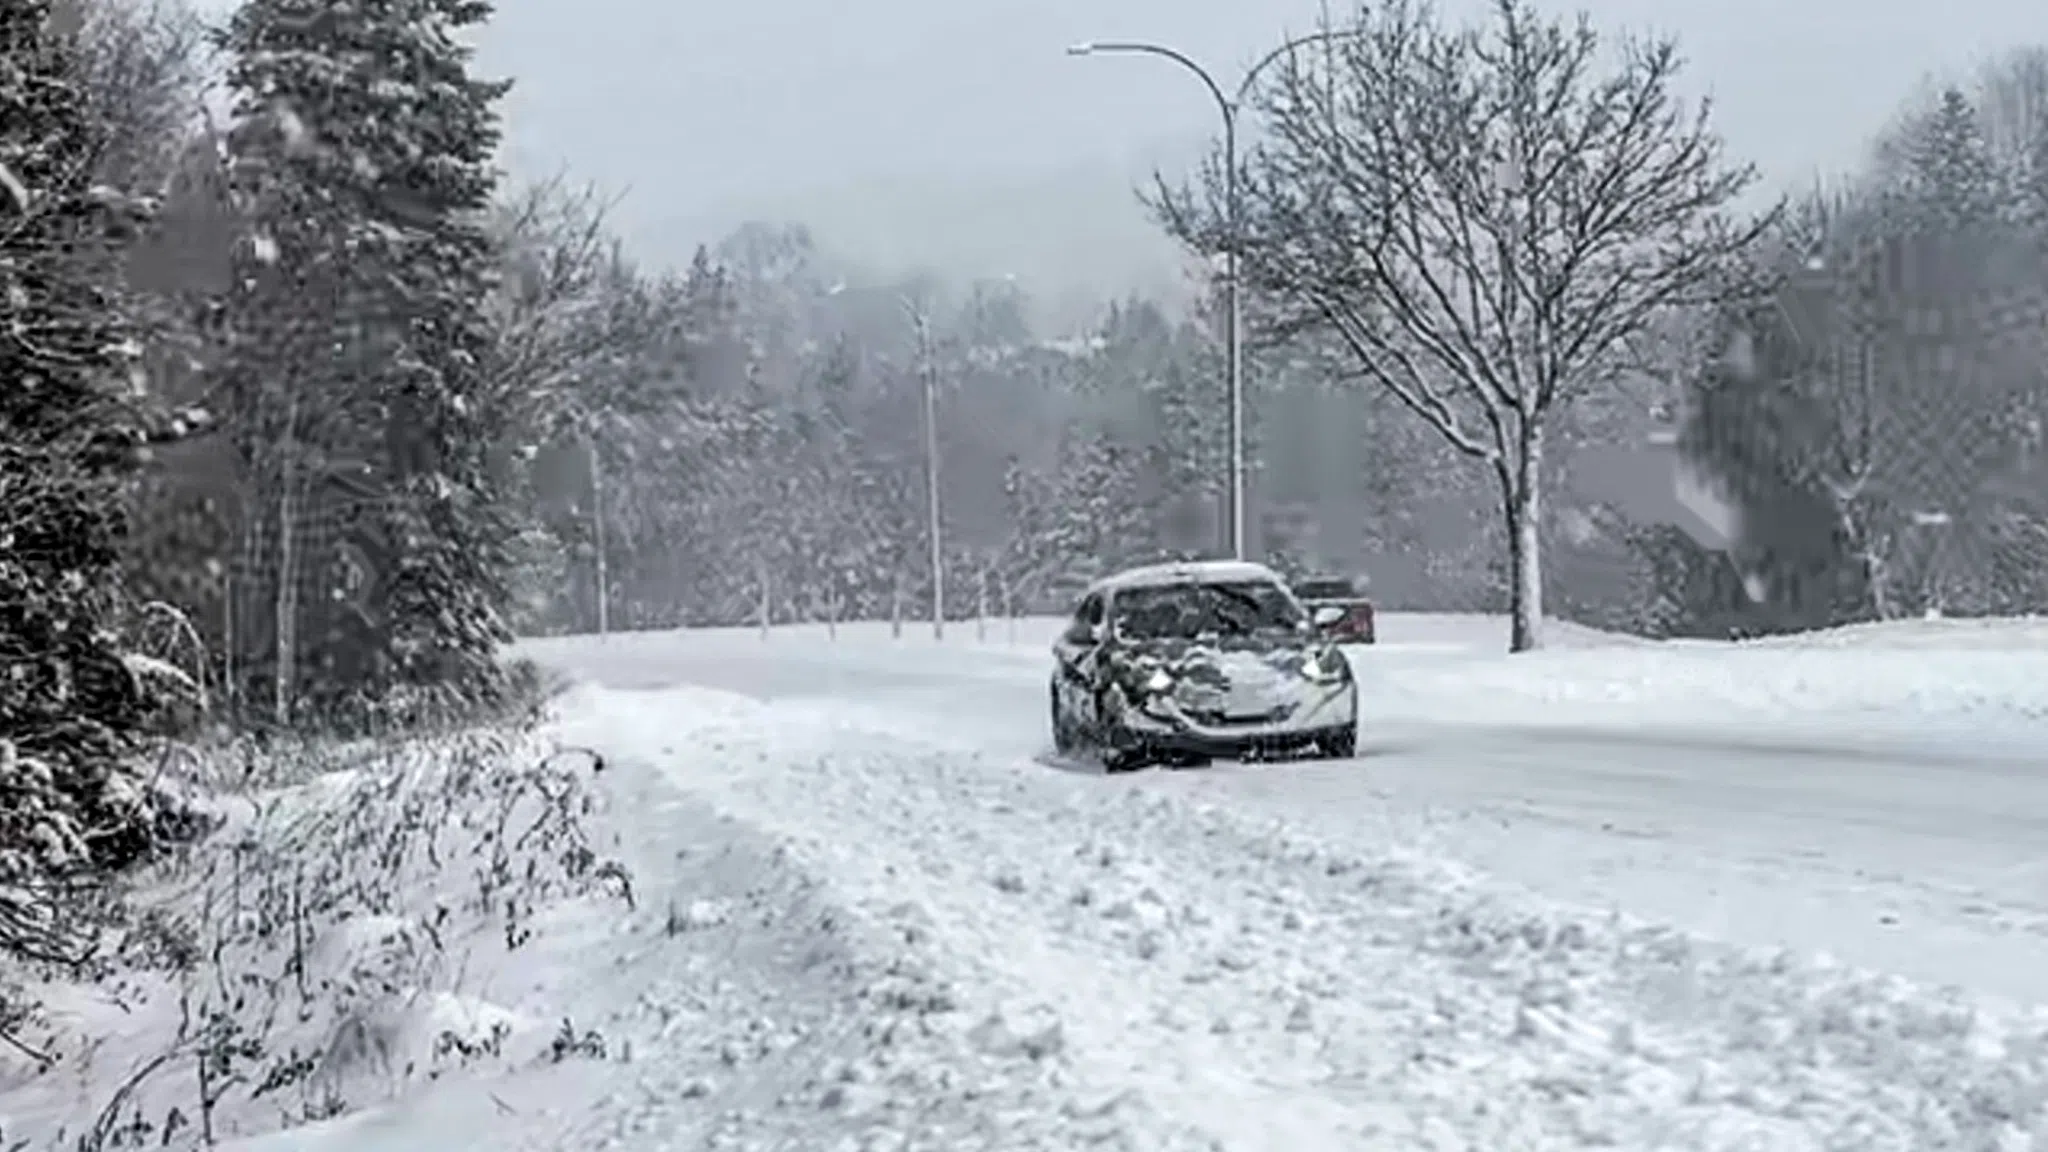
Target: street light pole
{"type": "Point", "coordinates": [931, 493]}
{"type": "Point", "coordinates": [1233, 322]}
{"type": "Point", "coordinates": [1233, 327]}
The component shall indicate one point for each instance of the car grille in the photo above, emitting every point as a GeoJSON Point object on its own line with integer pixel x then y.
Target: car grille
{"type": "Point", "coordinates": [1218, 718]}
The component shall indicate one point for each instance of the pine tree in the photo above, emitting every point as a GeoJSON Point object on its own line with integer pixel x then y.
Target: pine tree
{"type": "Point", "coordinates": [363, 149]}
{"type": "Point", "coordinates": [1102, 523]}
{"type": "Point", "coordinates": [1951, 180]}
{"type": "Point", "coordinates": [70, 711]}
{"type": "Point", "coordinates": [1031, 510]}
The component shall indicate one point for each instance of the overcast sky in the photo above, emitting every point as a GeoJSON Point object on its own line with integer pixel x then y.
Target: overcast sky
{"type": "Point", "coordinates": [710, 112]}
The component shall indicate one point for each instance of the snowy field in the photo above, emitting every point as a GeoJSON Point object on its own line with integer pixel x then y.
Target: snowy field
{"type": "Point", "coordinates": [1787, 895]}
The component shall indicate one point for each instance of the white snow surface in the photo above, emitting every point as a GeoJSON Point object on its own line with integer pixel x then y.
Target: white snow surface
{"type": "Point", "coordinates": [1181, 572]}
{"type": "Point", "coordinates": [1786, 895]}
{"type": "Point", "coordinates": [1643, 895]}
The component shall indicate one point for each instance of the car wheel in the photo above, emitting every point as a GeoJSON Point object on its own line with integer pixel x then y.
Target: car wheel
{"type": "Point", "coordinates": [1342, 746]}
{"type": "Point", "coordinates": [1062, 729]}
{"type": "Point", "coordinates": [1117, 760]}
{"type": "Point", "coordinates": [1120, 751]}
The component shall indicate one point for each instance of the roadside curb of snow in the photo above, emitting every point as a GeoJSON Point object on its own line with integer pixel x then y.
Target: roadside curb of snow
{"type": "Point", "coordinates": [1757, 684]}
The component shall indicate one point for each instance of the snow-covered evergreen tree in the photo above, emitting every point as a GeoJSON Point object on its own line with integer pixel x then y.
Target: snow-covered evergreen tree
{"type": "Point", "coordinates": [1949, 179]}
{"type": "Point", "coordinates": [1104, 521]}
{"type": "Point", "coordinates": [70, 708]}
{"type": "Point", "coordinates": [363, 153]}
{"type": "Point", "coordinates": [1030, 556]}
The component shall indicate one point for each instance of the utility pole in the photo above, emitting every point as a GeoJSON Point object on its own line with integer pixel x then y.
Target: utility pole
{"type": "Point", "coordinates": [929, 372]}
{"type": "Point", "coordinates": [981, 605]}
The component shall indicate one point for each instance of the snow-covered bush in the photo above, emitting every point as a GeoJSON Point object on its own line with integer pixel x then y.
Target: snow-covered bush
{"type": "Point", "coordinates": [313, 954]}
{"type": "Point", "coordinates": [75, 794]}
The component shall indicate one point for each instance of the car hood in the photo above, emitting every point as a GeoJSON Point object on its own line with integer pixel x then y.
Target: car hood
{"type": "Point", "coordinates": [1245, 677]}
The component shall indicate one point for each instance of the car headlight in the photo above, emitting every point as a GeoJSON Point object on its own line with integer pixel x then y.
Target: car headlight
{"type": "Point", "coordinates": [1160, 682]}
{"type": "Point", "coordinates": [1329, 668]}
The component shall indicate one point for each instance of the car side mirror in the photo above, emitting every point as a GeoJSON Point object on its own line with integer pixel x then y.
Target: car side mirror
{"type": "Point", "coordinates": [1327, 615]}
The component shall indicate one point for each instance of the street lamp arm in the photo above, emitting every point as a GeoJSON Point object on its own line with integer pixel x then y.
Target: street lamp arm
{"type": "Point", "coordinates": [1131, 46]}
{"type": "Point", "coordinates": [1233, 210]}
{"type": "Point", "coordinates": [1244, 86]}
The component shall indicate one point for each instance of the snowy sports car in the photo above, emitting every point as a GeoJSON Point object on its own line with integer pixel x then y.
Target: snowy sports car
{"type": "Point", "coordinates": [1183, 663]}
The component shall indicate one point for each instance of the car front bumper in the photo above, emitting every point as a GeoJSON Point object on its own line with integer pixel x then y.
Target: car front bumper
{"type": "Point", "coordinates": [1322, 714]}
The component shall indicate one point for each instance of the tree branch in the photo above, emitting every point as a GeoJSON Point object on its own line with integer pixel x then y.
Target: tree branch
{"type": "Point", "coordinates": [1480, 217]}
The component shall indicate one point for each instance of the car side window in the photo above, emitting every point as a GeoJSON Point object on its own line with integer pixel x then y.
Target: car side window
{"type": "Point", "coordinates": [1082, 630]}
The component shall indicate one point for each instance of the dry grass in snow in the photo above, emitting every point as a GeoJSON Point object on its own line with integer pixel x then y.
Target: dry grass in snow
{"type": "Point", "coordinates": [360, 922]}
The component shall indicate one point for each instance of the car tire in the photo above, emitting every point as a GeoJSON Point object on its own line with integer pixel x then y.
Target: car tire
{"type": "Point", "coordinates": [1118, 751]}
{"type": "Point", "coordinates": [1116, 761]}
{"type": "Point", "coordinates": [1062, 730]}
{"type": "Point", "coordinates": [1341, 746]}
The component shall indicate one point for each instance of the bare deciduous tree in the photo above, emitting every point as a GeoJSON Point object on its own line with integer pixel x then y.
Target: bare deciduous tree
{"type": "Point", "coordinates": [144, 64]}
{"type": "Point", "coordinates": [555, 305]}
{"type": "Point", "coordinates": [1483, 216]}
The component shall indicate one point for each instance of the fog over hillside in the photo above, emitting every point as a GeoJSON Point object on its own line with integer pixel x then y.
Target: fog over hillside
{"type": "Point", "coordinates": [1072, 234]}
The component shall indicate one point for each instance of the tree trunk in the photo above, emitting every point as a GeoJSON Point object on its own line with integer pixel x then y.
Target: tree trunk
{"type": "Point", "coordinates": [599, 545]}
{"type": "Point", "coordinates": [284, 681]}
{"type": "Point", "coordinates": [1522, 497]}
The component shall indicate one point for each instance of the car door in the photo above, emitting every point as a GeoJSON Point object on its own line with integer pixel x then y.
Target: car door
{"type": "Point", "coordinates": [1075, 655]}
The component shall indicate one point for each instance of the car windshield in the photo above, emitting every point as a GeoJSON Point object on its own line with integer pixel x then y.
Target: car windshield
{"type": "Point", "coordinates": [1188, 611]}
{"type": "Point", "coordinates": [1324, 590]}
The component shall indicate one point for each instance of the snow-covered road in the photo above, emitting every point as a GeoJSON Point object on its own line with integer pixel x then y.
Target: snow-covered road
{"type": "Point", "coordinates": [1897, 820]}
{"type": "Point", "coordinates": [1643, 896]}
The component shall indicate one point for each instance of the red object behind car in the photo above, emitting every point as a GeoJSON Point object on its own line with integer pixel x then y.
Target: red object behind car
{"type": "Point", "coordinates": [1356, 625]}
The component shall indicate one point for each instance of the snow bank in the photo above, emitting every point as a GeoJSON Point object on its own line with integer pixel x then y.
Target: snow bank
{"type": "Point", "coordinates": [1933, 674]}
{"type": "Point", "coordinates": [1729, 684]}
{"type": "Point", "coordinates": [1164, 974]}
{"type": "Point", "coordinates": [647, 659]}
{"type": "Point", "coordinates": [340, 937]}
{"type": "Point", "coordinates": [735, 1001]}
{"type": "Point", "coordinates": [2016, 634]}
{"type": "Point", "coordinates": [755, 1007]}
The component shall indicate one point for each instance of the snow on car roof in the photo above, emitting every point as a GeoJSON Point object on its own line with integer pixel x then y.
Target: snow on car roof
{"type": "Point", "coordinates": [1188, 572]}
